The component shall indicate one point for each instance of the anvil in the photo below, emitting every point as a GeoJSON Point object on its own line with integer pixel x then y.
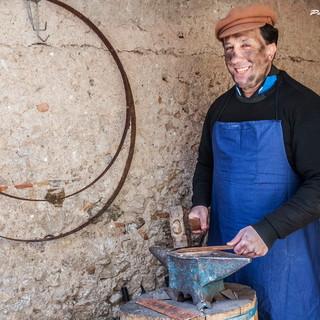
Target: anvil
{"type": "Point", "coordinates": [198, 273]}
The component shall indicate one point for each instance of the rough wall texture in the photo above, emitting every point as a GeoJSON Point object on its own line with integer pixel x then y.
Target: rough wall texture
{"type": "Point", "coordinates": [62, 114]}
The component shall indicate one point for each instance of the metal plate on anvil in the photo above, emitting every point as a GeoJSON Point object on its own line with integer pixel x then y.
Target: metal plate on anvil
{"type": "Point", "coordinates": [206, 254]}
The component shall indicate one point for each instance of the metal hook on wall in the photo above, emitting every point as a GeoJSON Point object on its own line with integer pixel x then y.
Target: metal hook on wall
{"type": "Point", "coordinates": [34, 19]}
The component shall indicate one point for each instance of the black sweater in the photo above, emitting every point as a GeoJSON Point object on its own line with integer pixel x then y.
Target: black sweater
{"type": "Point", "coordinates": [300, 114]}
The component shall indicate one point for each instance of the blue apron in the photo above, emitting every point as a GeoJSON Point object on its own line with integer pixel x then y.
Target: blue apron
{"type": "Point", "coordinates": [252, 177]}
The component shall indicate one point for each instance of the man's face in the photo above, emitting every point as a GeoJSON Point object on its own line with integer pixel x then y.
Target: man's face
{"type": "Point", "coordinates": [248, 59]}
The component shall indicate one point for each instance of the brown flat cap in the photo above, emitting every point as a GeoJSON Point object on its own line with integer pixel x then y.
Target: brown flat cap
{"type": "Point", "coordinates": [243, 19]}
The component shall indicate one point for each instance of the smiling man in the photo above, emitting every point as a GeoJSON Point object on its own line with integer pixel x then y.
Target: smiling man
{"type": "Point", "coordinates": [248, 59]}
{"type": "Point", "coordinates": [258, 170]}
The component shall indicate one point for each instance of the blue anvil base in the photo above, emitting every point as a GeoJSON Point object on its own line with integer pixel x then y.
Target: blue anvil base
{"type": "Point", "coordinates": [201, 277]}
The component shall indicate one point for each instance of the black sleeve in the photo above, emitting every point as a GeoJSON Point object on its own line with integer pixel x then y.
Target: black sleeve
{"type": "Point", "coordinates": [304, 207]}
{"type": "Point", "coordinates": [202, 179]}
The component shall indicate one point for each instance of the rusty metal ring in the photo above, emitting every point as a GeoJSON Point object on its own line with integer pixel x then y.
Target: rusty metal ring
{"type": "Point", "coordinates": [130, 122]}
{"type": "Point", "coordinates": [125, 130]}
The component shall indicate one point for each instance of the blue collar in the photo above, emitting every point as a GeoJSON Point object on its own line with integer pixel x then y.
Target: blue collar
{"type": "Point", "coordinates": [268, 83]}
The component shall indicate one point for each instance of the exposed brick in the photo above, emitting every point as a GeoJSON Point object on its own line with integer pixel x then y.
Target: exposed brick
{"type": "Point", "coordinates": [43, 107]}
{"type": "Point", "coordinates": [143, 234]}
{"type": "Point", "coordinates": [159, 214]}
{"type": "Point", "coordinates": [42, 183]}
{"type": "Point", "coordinates": [119, 224]}
{"type": "Point", "coordinates": [24, 186]}
{"type": "Point", "coordinates": [3, 188]}
{"type": "Point", "coordinates": [86, 208]}
{"type": "Point", "coordinates": [162, 214]}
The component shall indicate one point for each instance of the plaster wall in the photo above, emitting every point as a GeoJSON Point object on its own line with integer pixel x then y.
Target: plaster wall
{"type": "Point", "coordinates": [62, 114]}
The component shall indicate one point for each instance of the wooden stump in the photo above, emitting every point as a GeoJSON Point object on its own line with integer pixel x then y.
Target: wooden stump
{"type": "Point", "coordinates": [244, 308]}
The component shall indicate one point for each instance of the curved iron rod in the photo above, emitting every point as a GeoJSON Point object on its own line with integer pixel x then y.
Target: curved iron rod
{"type": "Point", "coordinates": [130, 122]}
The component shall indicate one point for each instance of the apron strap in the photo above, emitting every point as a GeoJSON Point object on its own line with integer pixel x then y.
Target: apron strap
{"type": "Point", "coordinates": [277, 100]}
{"type": "Point", "coordinates": [224, 106]}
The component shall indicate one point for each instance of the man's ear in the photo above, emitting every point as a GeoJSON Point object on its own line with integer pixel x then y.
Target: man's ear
{"type": "Point", "coordinates": [272, 49]}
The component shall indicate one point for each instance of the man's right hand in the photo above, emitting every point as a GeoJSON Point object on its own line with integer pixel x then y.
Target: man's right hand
{"type": "Point", "coordinates": [200, 212]}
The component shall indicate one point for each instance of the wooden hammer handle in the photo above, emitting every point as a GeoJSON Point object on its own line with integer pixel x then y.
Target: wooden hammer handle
{"type": "Point", "coordinates": [194, 224]}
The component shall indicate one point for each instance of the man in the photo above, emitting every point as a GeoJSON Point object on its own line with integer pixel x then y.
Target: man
{"type": "Point", "coordinates": [259, 170]}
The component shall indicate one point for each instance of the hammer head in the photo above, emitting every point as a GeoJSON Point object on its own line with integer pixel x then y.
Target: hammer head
{"type": "Point", "coordinates": [199, 274]}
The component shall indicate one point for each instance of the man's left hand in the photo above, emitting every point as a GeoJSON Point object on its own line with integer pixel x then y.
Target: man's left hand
{"type": "Point", "coordinates": [248, 243]}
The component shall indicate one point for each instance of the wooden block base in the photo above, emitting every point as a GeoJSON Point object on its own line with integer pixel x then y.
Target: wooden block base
{"type": "Point", "coordinates": [244, 308]}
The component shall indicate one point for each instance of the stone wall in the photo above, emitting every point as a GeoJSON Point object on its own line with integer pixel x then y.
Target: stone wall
{"type": "Point", "coordinates": [62, 114]}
